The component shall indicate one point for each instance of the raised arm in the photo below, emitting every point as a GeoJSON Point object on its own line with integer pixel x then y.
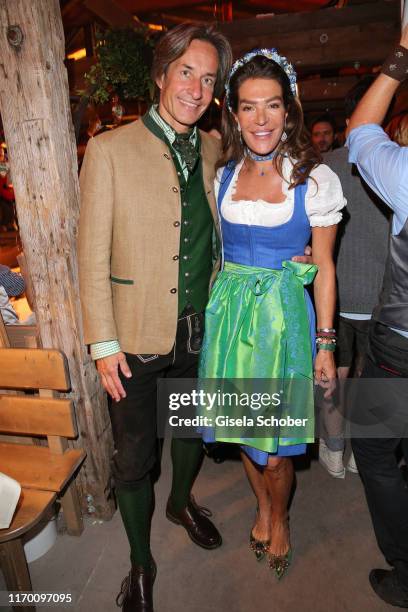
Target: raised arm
{"type": "Point", "coordinates": [373, 107]}
{"type": "Point", "coordinates": [382, 163]}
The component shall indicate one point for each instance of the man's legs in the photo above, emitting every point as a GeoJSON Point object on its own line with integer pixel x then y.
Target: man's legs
{"type": "Point", "coordinates": [135, 437]}
{"type": "Point", "coordinates": [387, 498]}
{"type": "Point", "coordinates": [331, 443]}
{"type": "Point", "coordinates": [187, 453]}
{"type": "Point", "coordinates": [386, 490]}
{"type": "Point", "coordinates": [186, 456]}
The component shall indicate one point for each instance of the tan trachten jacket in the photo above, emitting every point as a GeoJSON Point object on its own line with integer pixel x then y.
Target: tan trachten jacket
{"type": "Point", "coordinates": [129, 234]}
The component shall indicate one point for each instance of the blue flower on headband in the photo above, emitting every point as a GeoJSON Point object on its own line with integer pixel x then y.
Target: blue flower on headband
{"type": "Point", "coordinates": [271, 54]}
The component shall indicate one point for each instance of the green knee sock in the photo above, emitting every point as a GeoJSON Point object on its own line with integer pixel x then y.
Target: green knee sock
{"type": "Point", "coordinates": [186, 454]}
{"type": "Point", "coordinates": [135, 507]}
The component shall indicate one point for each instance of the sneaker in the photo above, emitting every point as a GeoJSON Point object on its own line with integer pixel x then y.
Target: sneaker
{"type": "Point", "coordinates": [351, 465]}
{"type": "Point", "coordinates": [386, 585]}
{"type": "Point", "coordinates": [332, 461]}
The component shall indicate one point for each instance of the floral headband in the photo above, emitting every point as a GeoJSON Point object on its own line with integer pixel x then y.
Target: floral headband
{"type": "Point", "coordinates": [271, 54]}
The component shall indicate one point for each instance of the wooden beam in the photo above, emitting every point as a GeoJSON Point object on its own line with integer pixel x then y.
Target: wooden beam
{"type": "Point", "coordinates": [141, 6]}
{"type": "Point", "coordinates": [380, 11]}
{"type": "Point", "coordinates": [325, 89]}
{"type": "Point", "coordinates": [283, 6]}
{"type": "Point", "coordinates": [89, 37]}
{"type": "Point", "coordinates": [319, 106]}
{"type": "Point", "coordinates": [111, 13]}
{"type": "Point", "coordinates": [36, 114]}
{"type": "Point", "coordinates": [327, 38]}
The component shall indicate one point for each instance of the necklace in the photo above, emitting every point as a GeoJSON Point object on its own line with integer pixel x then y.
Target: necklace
{"type": "Point", "coordinates": [261, 158]}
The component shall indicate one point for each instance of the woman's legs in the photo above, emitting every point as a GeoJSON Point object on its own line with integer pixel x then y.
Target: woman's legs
{"type": "Point", "coordinates": [262, 526]}
{"type": "Point", "coordinates": [272, 486]}
{"type": "Point", "coordinates": [278, 475]}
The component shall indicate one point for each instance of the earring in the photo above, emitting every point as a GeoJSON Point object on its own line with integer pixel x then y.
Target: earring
{"type": "Point", "coordinates": [240, 133]}
{"type": "Point", "coordinates": [284, 136]}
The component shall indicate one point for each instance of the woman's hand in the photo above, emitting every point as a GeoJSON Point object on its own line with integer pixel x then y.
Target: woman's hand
{"type": "Point", "coordinates": [325, 371]}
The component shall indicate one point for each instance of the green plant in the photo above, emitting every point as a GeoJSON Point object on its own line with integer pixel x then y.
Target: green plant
{"type": "Point", "coordinates": [122, 67]}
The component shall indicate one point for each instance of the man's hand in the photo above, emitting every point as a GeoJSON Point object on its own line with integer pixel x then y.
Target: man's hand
{"type": "Point", "coordinates": [108, 371]}
{"type": "Point", "coordinates": [306, 258]}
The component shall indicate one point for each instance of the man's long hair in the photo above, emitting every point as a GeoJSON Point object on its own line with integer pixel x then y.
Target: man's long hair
{"type": "Point", "coordinates": [176, 42]}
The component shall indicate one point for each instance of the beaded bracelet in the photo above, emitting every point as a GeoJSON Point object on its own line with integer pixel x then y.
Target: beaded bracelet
{"type": "Point", "coordinates": [326, 339]}
{"type": "Point", "coordinates": [326, 330]}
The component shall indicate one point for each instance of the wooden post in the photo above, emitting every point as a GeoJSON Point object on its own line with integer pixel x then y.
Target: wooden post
{"type": "Point", "coordinates": [37, 122]}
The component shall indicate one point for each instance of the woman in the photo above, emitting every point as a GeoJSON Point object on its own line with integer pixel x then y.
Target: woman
{"type": "Point", "coordinates": [272, 193]}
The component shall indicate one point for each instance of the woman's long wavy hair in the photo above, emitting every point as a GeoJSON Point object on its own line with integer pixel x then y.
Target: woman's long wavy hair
{"type": "Point", "coordinates": [297, 145]}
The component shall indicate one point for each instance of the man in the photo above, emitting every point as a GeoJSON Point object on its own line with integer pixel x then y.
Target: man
{"type": "Point", "coordinates": [145, 258]}
{"type": "Point", "coordinates": [323, 132]}
{"type": "Point", "coordinates": [384, 166]}
{"type": "Point", "coordinates": [361, 253]}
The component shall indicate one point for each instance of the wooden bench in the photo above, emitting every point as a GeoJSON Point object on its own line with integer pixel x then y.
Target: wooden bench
{"type": "Point", "coordinates": [44, 472]}
{"type": "Point", "coordinates": [22, 336]}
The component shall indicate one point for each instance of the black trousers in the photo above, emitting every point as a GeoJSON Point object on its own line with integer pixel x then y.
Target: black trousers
{"type": "Point", "coordinates": [134, 419]}
{"type": "Point", "coordinates": [386, 490]}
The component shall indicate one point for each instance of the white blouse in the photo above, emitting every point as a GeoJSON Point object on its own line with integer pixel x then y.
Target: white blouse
{"type": "Point", "coordinates": [323, 201]}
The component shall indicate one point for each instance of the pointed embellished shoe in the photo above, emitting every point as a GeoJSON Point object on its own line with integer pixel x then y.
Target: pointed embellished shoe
{"type": "Point", "coordinates": [259, 547]}
{"type": "Point", "coordinates": [280, 563]}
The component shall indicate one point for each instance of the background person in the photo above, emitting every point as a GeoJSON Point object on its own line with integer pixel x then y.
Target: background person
{"type": "Point", "coordinates": [323, 132]}
{"type": "Point", "coordinates": [397, 129]}
{"type": "Point", "coordinates": [384, 166]}
{"type": "Point", "coordinates": [360, 255]}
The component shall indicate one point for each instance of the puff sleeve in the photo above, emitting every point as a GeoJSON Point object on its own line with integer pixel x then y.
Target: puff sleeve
{"type": "Point", "coordinates": [324, 197]}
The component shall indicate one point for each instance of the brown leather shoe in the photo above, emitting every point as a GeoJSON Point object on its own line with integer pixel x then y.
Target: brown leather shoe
{"type": "Point", "coordinates": [195, 521]}
{"type": "Point", "coordinates": [136, 591]}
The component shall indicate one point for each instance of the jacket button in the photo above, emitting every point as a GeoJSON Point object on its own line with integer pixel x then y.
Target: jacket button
{"type": "Point", "coordinates": [174, 290]}
{"type": "Point", "coordinates": [185, 204]}
{"type": "Point", "coordinates": [166, 155]}
{"type": "Point", "coordinates": [176, 258]}
{"type": "Point", "coordinates": [174, 189]}
{"type": "Point", "coordinates": [185, 222]}
{"type": "Point", "coordinates": [176, 223]}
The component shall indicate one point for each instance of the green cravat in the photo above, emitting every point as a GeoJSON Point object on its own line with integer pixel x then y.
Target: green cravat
{"type": "Point", "coordinates": [187, 150]}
